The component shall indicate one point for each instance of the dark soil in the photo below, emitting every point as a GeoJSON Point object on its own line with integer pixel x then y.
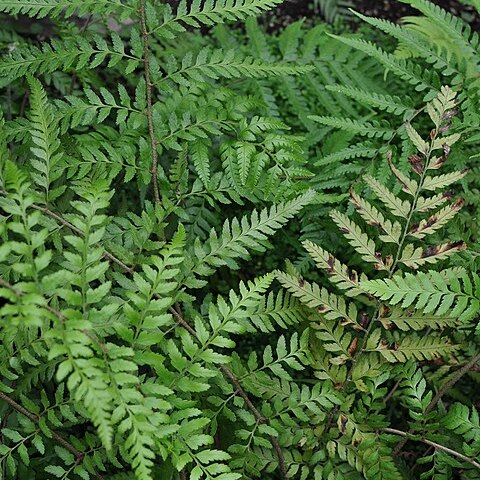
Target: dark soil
{"type": "Point", "coordinates": [393, 10]}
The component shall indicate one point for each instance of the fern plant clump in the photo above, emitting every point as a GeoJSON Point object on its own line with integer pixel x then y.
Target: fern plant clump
{"type": "Point", "coordinates": [157, 167]}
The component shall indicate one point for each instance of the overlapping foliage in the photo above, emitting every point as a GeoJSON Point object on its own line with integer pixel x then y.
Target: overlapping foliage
{"type": "Point", "coordinates": [150, 326]}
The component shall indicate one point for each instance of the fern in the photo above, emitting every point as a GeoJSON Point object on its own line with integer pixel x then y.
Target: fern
{"type": "Point", "coordinates": [441, 293]}
{"type": "Point", "coordinates": [152, 182]}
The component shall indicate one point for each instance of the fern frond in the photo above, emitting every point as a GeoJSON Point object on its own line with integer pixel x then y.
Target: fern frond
{"type": "Point", "coordinates": [412, 347]}
{"type": "Point", "coordinates": [410, 319]}
{"type": "Point", "coordinates": [211, 12]}
{"type": "Point", "coordinates": [227, 64]}
{"type": "Point", "coordinates": [45, 137]}
{"type": "Point", "coordinates": [368, 129]}
{"type": "Point", "coordinates": [465, 422]}
{"type": "Point", "coordinates": [339, 274]}
{"type": "Point", "coordinates": [458, 31]}
{"type": "Point", "coordinates": [408, 71]}
{"type": "Point", "coordinates": [63, 55]}
{"type": "Point", "coordinates": [240, 236]}
{"type": "Point", "coordinates": [418, 46]}
{"type": "Point", "coordinates": [388, 103]}
{"type": "Point", "coordinates": [325, 303]}
{"type": "Point", "coordinates": [430, 292]}
{"type": "Point", "coordinates": [416, 257]}
{"type": "Point", "coordinates": [360, 241]}
{"type": "Point", "coordinates": [436, 221]}
{"type": "Point", "coordinates": [352, 151]}
{"type": "Point", "coordinates": [392, 230]}
{"type": "Point", "coordinates": [440, 182]}
{"type": "Point", "coordinates": [65, 8]}
{"type": "Point", "coordinates": [398, 207]}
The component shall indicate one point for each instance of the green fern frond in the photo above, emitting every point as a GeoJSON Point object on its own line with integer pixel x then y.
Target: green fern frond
{"type": "Point", "coordinates": [360, 150]}
{"type": "Point", "coordinates": [388, 103]}
{"type": "Point", "coordinates": [325, 303]}
{"type": "Point", "coordinates": [413, 74]}
{"type": "Point", "coordinates": [214, 64]}
{"type": "Point", "coordinates": [411, 347]}
{"type": "Point", "coordinates": [432, 292]}
{"type": "Point", "coordinates": [208, 13]}
{"type": "Point", "coordinates": [240, 236]}
{"type": "Point", "coordinates": [45, 137]}
{"type": "Point", "coordinates": [410, 319]}
{"type": "Point", "coordinates": [63, 55]}
{"type": "Point", "coordinates": [457, 30]}
{"type": "Point", "coordinates": [368, 129]}
{"type": "Point", "coordinates": [56, 8]}
{"type": "Point", "coordinates": [465, 422]}
{"type": "Point", "coordinates": [416, 44]}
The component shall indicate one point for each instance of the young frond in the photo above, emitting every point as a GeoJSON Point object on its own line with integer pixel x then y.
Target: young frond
{"type": "Point", "coordinates": [45, 138]}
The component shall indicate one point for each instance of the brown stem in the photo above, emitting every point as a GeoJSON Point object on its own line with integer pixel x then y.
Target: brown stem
{"type": "Point", "coordinates": [181, 321]}
{"type": "Point", "coordinates": [151, 130]}
{"type": "Point", "coordinates": [441, 392]}
{"type": "Point", "coordinates": [236, 383]}
{"type": "Point", "coordinates": [391, 392]}
{"type": "Point", "coordinates": [5, 284]}
{"type": "Point", "coordinates": [76, 230]}
{"type": "Point", "coordinates": [59, 439]}
{"type": "Point", "coordinates": [435, 445]}
{"type": "Point", "coordinates": [448, 385]}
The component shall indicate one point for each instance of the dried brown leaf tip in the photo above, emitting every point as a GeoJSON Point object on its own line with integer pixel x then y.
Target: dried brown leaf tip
{"type": "Point", "coordinates": [378, 256]}
{"type": "Point", "coordinates": [353, 346]}
{"type": "Point", "coordinates": [352, 275]}
{"type": "Point", "coordinates": [384, 311]}
{"type": "Point", "coordinates": [417, 164]}
{"type": "Point", "coordinates": [331, 264]}
{"type": "Point", "coordinates": [458, 204]}
{"type": "Point", "coordinates": [434, 250]}
{"type": "Point", "coordinates": [342, 423]}
{"type": "Point", "coordinates": [388, 261]}
{"type": "Point", "coordinates": [449, 114]}
{"type": "Point", "coordinates": [345, 321]}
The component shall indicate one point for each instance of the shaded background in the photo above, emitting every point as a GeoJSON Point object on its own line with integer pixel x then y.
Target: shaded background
{"type": "Point", "coordinates": [332, 10]}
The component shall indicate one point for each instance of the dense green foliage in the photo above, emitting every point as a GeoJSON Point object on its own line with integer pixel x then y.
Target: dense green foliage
{"type": "Point", "coordinates": [158, 166]}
